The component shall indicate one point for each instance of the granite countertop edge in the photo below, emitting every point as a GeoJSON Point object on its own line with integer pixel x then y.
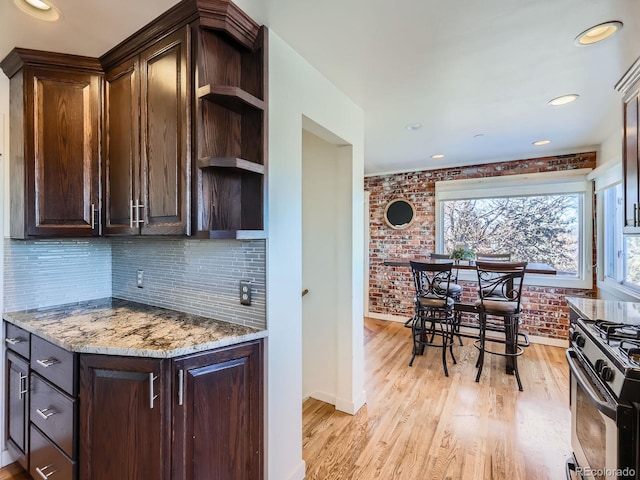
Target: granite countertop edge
{"type": "Point", "coordinates": [67, 321]}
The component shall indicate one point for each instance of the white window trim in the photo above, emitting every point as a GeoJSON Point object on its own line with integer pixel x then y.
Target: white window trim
{"type": "Point", "coordinates": [569, 181]}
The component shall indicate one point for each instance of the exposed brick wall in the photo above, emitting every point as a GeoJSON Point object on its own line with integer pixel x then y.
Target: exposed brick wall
{"type": "Point", "coordinates": [390, 288]}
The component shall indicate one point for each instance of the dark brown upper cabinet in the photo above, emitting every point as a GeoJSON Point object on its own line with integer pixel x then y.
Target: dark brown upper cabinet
{"type": "Point", "coordinates": [54, 141]}
{"type": "Point", "coordinates": [146, 141]}
{"type": "Point", "coordinates": [629, 86]}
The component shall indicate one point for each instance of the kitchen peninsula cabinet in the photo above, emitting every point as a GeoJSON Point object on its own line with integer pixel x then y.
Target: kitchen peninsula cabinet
{"type": "Point", "coordinates": [146, 153]}
{"type": "Point", "coordinates": [629, 86]}
{"type": "Point", "coordinates": [54, 138]}
{"type": "Point", "coordinates": [130, 391]}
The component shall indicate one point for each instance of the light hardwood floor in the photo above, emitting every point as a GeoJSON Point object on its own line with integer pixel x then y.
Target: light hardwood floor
{"type": "Point", "coordinates": [420, 425]}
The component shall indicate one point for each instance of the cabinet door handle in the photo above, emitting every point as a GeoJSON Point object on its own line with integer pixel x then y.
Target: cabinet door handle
{"type": "Point", "coordinates": [46, 412]}
{"type": "Point", "coordinates": [635, 214]}
{"type": "Point", "coordinates": [131, 213]}
{"type": "Point", "coordinates": [13, 341]}
{"type": "Point", "coordinates": [152, 395]}
{"type": "Point", "coordinates": [22, 390]}
{"type": "Point", "coordinates": [47, 362]}
{"type": "Point", "coordinates": [138, 207]}
{"type": "Point", "coordinates": [43, 475]}
{"type": "Point", "coordinates": [180, 387]}
{"type": "Point", "coordinates": [93, 216]}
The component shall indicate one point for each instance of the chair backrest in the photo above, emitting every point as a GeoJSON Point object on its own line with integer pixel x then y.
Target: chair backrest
{"type": "Point", "coordinates": [439, 256]}
{"type": "Point", "coordinates": [501, 281]}
{"type": "Point", "coordinates": [432, 279]}
{"type": "Point", "coordinates": [493, 257]}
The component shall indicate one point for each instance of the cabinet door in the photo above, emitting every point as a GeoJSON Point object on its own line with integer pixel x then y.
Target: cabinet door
{"type": "Point", "coordinates": [165, 153]}
{"type": "Point", "coordinates": [631, 159]}
{"type": "Point", "coordinates": [17, 404]}
{"type": "Point", "coordinates": [121, 147]}
{"type": "Point", "coordinates": [61, 153]}
{"type": "Point", "coordinates": [218, 415]}
{"type": "Point", "coordinates": [124, 418]}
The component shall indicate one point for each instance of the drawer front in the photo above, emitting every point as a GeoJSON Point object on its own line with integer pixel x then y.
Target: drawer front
{"type": "Point", "coordinates": [17, 339]}
{"type": "Point", "coordinates": [54, 364]}
{"type": "Point", "coordinates": [54, 413]}
{"type": "Point", "coordinates": [47, 461]}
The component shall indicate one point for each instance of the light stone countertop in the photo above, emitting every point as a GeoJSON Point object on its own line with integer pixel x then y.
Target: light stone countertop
{"type": "Point", "coordinates": [119, 327]}
{"type": "Point", "coordinates": [610, 310]}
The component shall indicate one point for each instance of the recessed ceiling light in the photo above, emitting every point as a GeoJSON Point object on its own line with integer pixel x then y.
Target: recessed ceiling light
{"type": "Point", "coordinates": [437, 156]}
{"type": "Point", "coordinates": [39, 9]}
{"type": "Point", "coordinates": [564, 99]}
{"type": "Point", "coordinates": [39, 4]}
{"type": "Point", "coordinates": [539, 143]}
{"type": "Point", "coordinates": [413, 126]}
{"type": "Point", "coordinates": [597, 33]}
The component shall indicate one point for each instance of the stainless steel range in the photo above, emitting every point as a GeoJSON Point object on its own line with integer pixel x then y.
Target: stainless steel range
{"type": "Point", "coordinates": [605, 399]}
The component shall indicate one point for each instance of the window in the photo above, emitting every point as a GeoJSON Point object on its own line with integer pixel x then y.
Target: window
{"type": "Point", "coordinates": [536, 228]}
{"type": "Point", "coordinates": [542, 218]}
{"type": "Point", "coordinates": [621, 254]}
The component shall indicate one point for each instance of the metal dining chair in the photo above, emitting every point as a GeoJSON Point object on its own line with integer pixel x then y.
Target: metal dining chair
{"type": "Point", "coordinates": [493, 257]}
{"type": "Point", "coordinates": [433, 313]}
{"type": "Point", "coordinates": [500, 293]}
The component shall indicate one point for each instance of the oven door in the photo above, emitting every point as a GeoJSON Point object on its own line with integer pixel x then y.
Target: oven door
{"type": "Point", "coordinates": [594, 433]}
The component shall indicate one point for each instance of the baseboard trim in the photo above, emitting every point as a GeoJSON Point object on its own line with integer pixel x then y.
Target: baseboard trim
{"type": "Point", "coordinates": [299, 472]}
{"type": "Point", "coordinates": [6, 458]}
{"type": "Point", "coordinates": [552, 342]}
{"type": "Point", "coordinates": [351, 407]}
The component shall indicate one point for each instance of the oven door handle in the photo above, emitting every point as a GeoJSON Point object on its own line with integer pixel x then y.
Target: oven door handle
{"type": "Point", "coordinates": [605, 407]}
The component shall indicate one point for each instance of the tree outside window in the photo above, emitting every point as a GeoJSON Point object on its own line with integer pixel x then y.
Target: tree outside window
{"type": "Point", "coordinates": [537, 228]}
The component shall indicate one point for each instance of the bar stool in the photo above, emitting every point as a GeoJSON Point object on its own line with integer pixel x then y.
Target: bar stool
{"type": "Point", "coordinates": [433, 314]}
{"type": "Point", "coordinates": [454, 290]}
{"type": "Point", "coordinates": [500, 292]}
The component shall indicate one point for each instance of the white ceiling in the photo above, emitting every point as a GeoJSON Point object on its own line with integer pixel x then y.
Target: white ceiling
{"type": "Point", "coordinates": [458, 67]}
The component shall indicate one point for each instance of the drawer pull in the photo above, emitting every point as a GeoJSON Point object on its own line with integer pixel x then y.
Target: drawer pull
{"type": "Point", "coordinates": [46, 412]}
{"type": "Point", "coordinates": [21, 390]}
{"type": "Point", "coordinates": [13, 341]}
{"type": "Point", "coordinates": [48, 362]}
{"type": "Point", "coordinates": [45, 475]}
{"type": "Point", "coordinates": [152, 396]}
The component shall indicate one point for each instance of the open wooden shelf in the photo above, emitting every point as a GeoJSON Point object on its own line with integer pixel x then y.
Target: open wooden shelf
{"type": "Point", "coordinates": [232, 234]}
{"type": "Point", "coordinates": [232, 163]}
{"type": "Point", "coordinates": [233, 98]}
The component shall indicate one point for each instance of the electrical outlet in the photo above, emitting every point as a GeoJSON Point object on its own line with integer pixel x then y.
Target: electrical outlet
{"type": "Point", "coordinates": [245, 292]}
{"type": "Point", "coordinates": [140, 278]}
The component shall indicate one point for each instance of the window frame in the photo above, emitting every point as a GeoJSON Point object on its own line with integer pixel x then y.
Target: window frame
{"type": "Point", "coordinates": [543, 183]}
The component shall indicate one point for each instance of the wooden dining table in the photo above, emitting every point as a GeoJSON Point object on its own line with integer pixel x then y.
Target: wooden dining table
{"type": "Point", "coordinates": [532, 267]}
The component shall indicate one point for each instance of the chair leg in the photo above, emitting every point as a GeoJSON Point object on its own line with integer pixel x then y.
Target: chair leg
{"type": "Point", "coordinates": [480, 362]}
{"type": "Point", "coordinates": [515, 349]}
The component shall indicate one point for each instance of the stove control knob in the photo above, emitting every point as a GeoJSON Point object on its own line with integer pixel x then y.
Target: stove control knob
{"type": "Point", "coordinates": [579, 339]}
{"type": "Point", "coordinates": [600, 364]}
{"type": "Point", "coordinates": [606, 374]}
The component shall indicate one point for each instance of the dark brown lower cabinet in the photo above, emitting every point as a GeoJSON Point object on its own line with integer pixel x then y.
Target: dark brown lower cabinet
{"type": "Point", "coordinates": [17, 402]}
{"type": "Point", "coordinates": [218, 415]}
{"type": "Point", "coordinates": [212, 400]}
{"type": "Point", "coordinates": [124, 418]}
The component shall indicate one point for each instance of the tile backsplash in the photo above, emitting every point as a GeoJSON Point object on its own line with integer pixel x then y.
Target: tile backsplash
{"type": "Point", "coordinates": [194, 276]}
{"type": "Point", "coordinates": [42, 273]}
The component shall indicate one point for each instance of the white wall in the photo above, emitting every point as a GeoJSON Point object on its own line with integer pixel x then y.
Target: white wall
{"type": "Point", "coordinates": [4, 213]}
{"type": "Point", "coordinates": [296, 89]}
